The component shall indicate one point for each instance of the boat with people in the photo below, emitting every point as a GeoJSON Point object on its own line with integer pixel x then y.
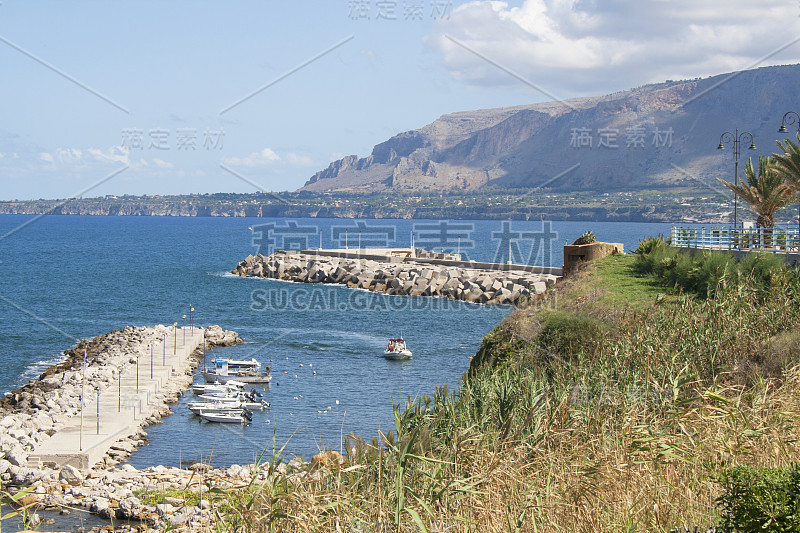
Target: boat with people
{"type": "Point", "coordinates": [226, 370]}
{"type": "Point", "coordinates": [397, 350]}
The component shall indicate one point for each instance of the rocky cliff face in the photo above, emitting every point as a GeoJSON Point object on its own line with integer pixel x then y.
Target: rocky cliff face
{"type": "Point", "coordinates": [654, 136]}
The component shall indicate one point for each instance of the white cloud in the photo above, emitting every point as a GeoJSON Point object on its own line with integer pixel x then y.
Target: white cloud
{"type": "Point", "coordinates": [162, 164]}
{"type": "Point", "coordinates": [47, 158]}
{"type": "Point", "coordinates": [268, 156]}
{"type": "Point", "coordinates": [373, 59]}
{"type": "Point", "coordinates": [117, 154]}
{"type": "Point", "coordinates": [256, 159]}
{"type": "Point", "coordinates": [580, 46]}
{"type": "Point", "coordinates": [68, 155]}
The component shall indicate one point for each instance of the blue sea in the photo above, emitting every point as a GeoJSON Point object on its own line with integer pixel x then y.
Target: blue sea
{"type": "Point", "coordinates": [64, 278]}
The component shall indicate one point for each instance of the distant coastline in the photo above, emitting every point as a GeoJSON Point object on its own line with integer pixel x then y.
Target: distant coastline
{"type": "Point", "coordinates": [672, 206]}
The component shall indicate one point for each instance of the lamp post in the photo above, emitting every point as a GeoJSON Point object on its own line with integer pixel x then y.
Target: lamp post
{"type": "Point", "coordinates": [736, 139]}
{"type": "Point", "coordinates": [191, 319]}
{"type": "Point", "coordinates": [791, 118]}
{"type": "Point", "coordinates": [175, 339]}
{"type": "Point", "coordinates": [184, 330]}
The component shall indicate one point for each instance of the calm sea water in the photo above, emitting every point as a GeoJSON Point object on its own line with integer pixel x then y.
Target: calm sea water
{"type": "Point", "coordinates": [64, 278]}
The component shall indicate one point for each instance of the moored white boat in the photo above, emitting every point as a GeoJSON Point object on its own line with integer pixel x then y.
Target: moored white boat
{"type": "Point", "coordinates": [196, 407]}
{"type": "Point", "coordinates": [224, 417]}
{"type": "Point", "coordinates": [223, 372]}
{"type": "Point", "coordinates": [217, 387]}
{"type": "Point", "coordinates": [397, 349]}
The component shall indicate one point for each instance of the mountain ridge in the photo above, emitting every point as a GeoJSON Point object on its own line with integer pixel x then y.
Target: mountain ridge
{"type": "Point", "coordinates": [674, 126]}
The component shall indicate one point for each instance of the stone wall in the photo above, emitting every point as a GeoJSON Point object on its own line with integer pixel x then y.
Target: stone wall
{"type": "Point", "coordinates": [575, 254]}
{"type": "Point", "coordinates": [478, 285]}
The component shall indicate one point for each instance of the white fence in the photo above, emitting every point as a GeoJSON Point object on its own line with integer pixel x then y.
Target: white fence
{"type": "Point", "coordinates": [780, 239]}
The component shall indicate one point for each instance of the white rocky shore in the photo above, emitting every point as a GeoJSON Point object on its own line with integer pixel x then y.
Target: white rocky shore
{"type": "Point", "coordinates": [31, 414]}
{"type": "Point", "coordinates": [471, 284]}
{"type": "Point", "coordinates": [125, 495]}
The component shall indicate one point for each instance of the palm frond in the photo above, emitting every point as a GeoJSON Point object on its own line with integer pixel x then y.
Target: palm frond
{"type": "Point", "coordinates": [765, 192]}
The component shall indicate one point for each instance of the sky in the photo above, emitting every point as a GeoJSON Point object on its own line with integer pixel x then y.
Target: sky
{"type": "Point", "coordinates": [151, 97]}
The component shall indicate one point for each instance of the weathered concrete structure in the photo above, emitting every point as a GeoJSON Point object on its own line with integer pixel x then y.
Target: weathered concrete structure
{"type": "Point", "coordinates": [469, 281]}
{"type": "Point", "coordinates": [574, 254]}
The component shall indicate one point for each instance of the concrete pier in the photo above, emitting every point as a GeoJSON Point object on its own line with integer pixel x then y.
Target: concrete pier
{"type": "Point", "coordinates": [119, 409]}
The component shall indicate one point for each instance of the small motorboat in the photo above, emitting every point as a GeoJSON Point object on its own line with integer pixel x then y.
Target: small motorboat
{"type": "Point", "coordinates": [246, 399]}
{"type": "Point", "coordinates": [217, 387]}
{"type": "Point", "coordinates": [226, 370]}
{"type": "Point", "coordinates": [196, 407]}
{"type": "Point", "coordinates": [397, 350]}
{"type": "Point", "coordinates": [229, 417]}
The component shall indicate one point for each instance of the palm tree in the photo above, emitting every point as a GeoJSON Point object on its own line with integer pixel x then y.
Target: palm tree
{"type": "Point", "coordinates": [787, 164]}
{"type": "Point", "coordinates": [766, 193]}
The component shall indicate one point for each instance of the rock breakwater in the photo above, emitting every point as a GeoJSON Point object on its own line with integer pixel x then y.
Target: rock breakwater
{"type": "Point", "coordinates": [30, 415]}
{"type": "Point", "coordinates": [485, 285]}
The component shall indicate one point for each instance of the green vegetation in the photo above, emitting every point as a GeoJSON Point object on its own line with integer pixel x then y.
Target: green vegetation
{"type": "Point", "coordinates": [608, 405]}
{"type": "Point", "coordinates": [788, 162]}
{"type": "Point", "coordinates": [766, 192]}
{"type": "Point", "coordinates": [586, 237]}
{"type": "Point", "coordinates": [706, 272]}
{"type": "Point", "coordinates": [760, 499]}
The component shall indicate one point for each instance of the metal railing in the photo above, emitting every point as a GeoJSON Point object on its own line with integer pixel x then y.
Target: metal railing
{"type": "Point", "coordinates": [780, 239]}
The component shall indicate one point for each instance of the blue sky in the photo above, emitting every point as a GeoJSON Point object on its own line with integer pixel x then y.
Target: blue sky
{"type": "Point", "coordinates": [174, 67]}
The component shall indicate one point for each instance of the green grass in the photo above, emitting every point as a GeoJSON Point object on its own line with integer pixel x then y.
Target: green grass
{"type": "Point", "coordinates": [607, 405]}
{"type": "Point", "coordinates": [622, 286]}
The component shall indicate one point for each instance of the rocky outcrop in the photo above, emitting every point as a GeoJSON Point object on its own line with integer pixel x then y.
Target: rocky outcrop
{"type": "Point", "coordinates": [409, 277]}
{"type": "Point", "coordinates": [112, 493]}
{"type": "Point", "coordinates": [628, 140]}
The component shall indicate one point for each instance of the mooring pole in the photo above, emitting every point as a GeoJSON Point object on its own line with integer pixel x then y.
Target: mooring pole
{"type": "Point", "coordinates": [83, 390]}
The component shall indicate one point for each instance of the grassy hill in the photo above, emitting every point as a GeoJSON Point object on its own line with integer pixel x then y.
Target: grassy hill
{"type": "Point", "coordinates": [618, 402]}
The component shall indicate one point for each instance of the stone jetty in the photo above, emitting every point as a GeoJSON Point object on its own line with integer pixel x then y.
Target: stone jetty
{"type": "Point", "coordinates": [32, 417]}
{"type": "Point", "coordinates": [484, 283]}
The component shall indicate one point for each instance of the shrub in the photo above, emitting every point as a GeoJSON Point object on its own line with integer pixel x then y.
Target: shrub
{"type": "Point", "coordinates": [706, 273]}
{"type": "Point", "coordinates": [567, 335]}
{"type": "Point", "coordinates": [760, 499]}
{"type": "Point", "coordinates": [587, 238]}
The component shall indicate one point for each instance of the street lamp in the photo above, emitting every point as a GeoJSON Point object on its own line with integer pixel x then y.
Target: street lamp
{"type": "Point", "coordinates": [191, 319]}
{"type": "Point", "coordinates": [793, 118]}
{"type": "Point", "coordinates": [184, 329]}
{"type": "Point", "coordinates": [736, 139]}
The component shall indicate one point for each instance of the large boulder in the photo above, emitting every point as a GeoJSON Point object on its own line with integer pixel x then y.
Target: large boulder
{"type": "Point", "coordinates": [70, 475]}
